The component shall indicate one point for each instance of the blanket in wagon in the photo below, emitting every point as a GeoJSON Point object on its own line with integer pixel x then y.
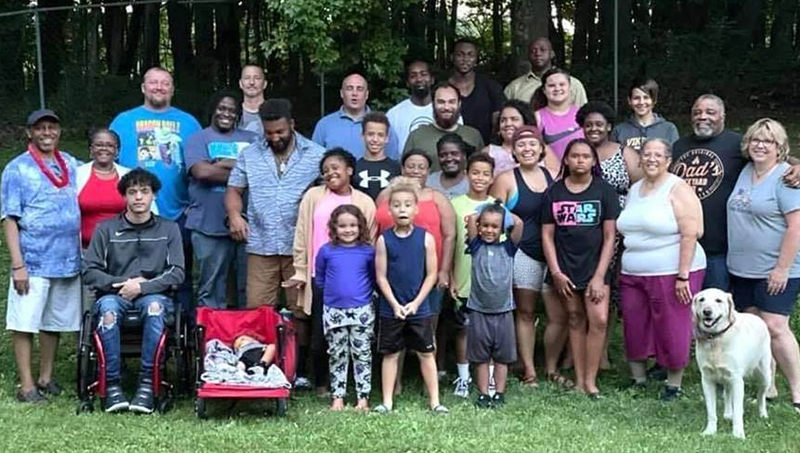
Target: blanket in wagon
{"type": "Point", "coordinates": [220, 368]}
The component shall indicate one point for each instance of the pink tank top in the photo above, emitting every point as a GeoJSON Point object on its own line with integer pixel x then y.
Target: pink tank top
{"type": "Point", "coordinates": [559, 130]}
{"type": "Point", "coordinates": [427, 217]}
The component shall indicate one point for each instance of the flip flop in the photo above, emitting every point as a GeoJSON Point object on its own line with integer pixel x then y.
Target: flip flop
{"type": "Point", "coordinates": [381, 409]}
{"type": "Point", "coordinates": [561, 381]}
{"type": "Point", "coordinates": [529, 381]}
{"type": "Point", "coordinates": [439, 409]}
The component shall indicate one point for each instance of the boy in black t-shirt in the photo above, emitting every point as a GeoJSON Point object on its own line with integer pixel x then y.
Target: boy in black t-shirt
{"type": "Point", "coordinates": [375, 169]}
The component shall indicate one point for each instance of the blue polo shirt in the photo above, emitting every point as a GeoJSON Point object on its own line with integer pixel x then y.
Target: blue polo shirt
{"type": "Point", "coordinates": [338, 129]}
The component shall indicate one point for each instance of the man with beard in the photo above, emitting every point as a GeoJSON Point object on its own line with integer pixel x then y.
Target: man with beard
{"type": "Point", "coordinates": [446, 111]}
{"type": "Point", "coordinates": [342, 128]}
{"type": "Point", "coordinates": [210, 156]}
{"type": "Point", "coordinates": [153, 137]}
{"type": "Point", "coordinates": [482, 97]}
{"type": "Point", "coordinates": [710, 161]}
{"type": "Point", "coordinates": [252, 83]}
{"type": "Point", "coordinates": [452, 152]}
{"type": "Point", "coordinates": [540, 55]}
{"type": "Point", "coordinates": [274, 172]}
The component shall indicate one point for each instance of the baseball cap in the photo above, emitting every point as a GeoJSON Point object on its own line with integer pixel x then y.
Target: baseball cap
{"type": "Point", "coordinates": [38, 115]}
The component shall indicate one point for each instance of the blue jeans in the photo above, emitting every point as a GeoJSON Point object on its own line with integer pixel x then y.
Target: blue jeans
{"type": "Point", "coordinates": [717, 272]}
{"type": "Point", "coordinates": [110, 308]}
{"type": "Point", "coordinates": [215, 255]}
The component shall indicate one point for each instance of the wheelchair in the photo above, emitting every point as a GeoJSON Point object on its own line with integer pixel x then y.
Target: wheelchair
{"type": "Point", "coordinates": [171, 373]}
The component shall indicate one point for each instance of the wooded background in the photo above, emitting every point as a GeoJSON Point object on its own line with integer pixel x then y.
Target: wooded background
{"type": "Point", "coordinates": [748, 51]}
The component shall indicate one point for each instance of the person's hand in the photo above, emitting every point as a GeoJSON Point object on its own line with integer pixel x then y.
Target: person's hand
{"type": "Point", "coordinates": [399, 311]}
{"type": "Point", "coordinates": [563, 284]}
{"type": "Point", "coordinates": [453, 287]}
{"type": "Point", "coordinates": [411, 308]}
{"type": "Point", "coordinates": [227, 163]}
{"type": "Point", "coordinates": [791, 177]}
{"type": "Point", "coordinates": [443, 280]}
{"type": "Point", "coordinates": [776, 281]}
{"type": "Point", "coordinates": [683, 292]}
{"type": "Point", "coordinates": [21, 281]}
{"type": "Point", "coordinates": [129, 289]}
{"type": "Point", "coordinates": [293, 284]}
{"type": "Point", "coordinates": [239, 228]}
{"type": "Point", "coordinates": [596, 290]}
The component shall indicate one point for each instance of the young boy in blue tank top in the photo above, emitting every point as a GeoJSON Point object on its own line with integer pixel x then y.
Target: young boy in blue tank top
{"type": "Point", "coordinates": [406, 270]}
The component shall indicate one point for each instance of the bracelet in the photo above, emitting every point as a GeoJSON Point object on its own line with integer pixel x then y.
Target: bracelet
{"type": "Point", "coordinates": [18, 267]}
{"type": "Point", "coordinates": [682, 279]}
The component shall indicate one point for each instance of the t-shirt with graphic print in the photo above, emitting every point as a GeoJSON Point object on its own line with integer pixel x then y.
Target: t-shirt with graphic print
{"type": "Point", "coordinates": [206, 213]}
{"type": "Point", "coordinates": [578, 218]}
{"type": "Point", "coordinates": [711, 167]}
{"type": "Point", "coordinates": [155, 141]}
{"type": "Point", "coordinates": [372, 176]}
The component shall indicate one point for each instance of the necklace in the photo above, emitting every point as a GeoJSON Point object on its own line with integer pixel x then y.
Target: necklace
{"type": "Point", "coordinates": [281, 162]}
{"type": "Point", "coordinates": [59, 182]}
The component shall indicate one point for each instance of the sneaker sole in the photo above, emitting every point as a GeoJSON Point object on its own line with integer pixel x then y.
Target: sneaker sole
{"type": "Point", "coordinates": [118, 407]}
{"type": "Point", "coordinates": [140, 409]}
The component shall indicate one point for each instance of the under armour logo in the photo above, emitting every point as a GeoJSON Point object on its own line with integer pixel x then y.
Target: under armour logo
{"type": "Point", "coordinates": [366, 179]}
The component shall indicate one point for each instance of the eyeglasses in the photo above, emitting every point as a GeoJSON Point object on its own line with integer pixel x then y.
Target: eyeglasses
{"type": "Point", "coordinates": [760, 141]}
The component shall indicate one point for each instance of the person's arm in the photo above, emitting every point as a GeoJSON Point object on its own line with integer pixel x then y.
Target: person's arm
{"type": "Point", "coordinates": [320, 266]}
{"type": "Point", "coordinates": [516, 231]}
{"type": "Point", "coordinates": [503, 186]}
{"type": "Point", "coordinates": [472, 226]}
{"type": "Point", "coordinates": [561, 281]}
{"type": "Point", "coordinates": [672, 134]}
{"type": "Point", "coordinates": [791, 177]}
{"type": "Point", "coordinates": [632, 164]}
{"type": "Point", "coordinates": [381, 262]}
{"type": "Point", "coordinates": [213, 173]}
{"type": "Point", "coordinates": [19, 270]}
{"type": "Point", "coordinates": [173, 273]}
{"type": "Point", "coordinates": [689, 216]}
{"type": "Point", "coordinates": [300, 246]}
{"type": "Point", "coordinates": [779, 276]}
{"type": "Point", "coordinates": [269, 355]}
{"type": "Point", "coordinates": [95, 273]}
{"type": "Point", "coordinates": [448, 225]}
{"type": "Point", "coordinates": [233, 206]}
{"type": "Point", "coordinates": [430, 276]}
{"type": "Point", "coordinates": [596, 290]}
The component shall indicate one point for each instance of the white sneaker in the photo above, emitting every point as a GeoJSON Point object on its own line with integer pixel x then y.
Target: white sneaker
{"type": "Point", "coordinates": [302, 383]}
{"type": "Point", "coordinates": [462, 387]}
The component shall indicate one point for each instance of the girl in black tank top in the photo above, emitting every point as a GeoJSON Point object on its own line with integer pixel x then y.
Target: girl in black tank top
{"type": "Point", "coordinates": [528, 207]}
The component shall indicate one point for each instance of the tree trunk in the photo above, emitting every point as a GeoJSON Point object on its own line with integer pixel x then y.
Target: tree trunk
{"type": "Point", "coordinates": [747, 24]}
{"type": "Point", "coordinates": [625, 30]}
{"type": "Point", "coordinates": [204, 61]}
{"type": "Point", "coordinates": [785, 14]}
{"type": "Point", "coordinates": [531, 18]}
{"type": "Point", "coordinates": [179, 19]}
{"type": "Point", "coordinates": [151, 37]}
{"type": "Point", "coordinates": [12, 77]}
{"type": "Point", "coordinates": [497, 33]}
{"type": "Point", "coordinates": [557, 35]}
{"type": "Point", "coordinates": [54, 48]}
{"type": "Point", "coordinates": [114, 26]}
{"type": "Point", "coordinates": [443, 47]}
{"type": "Point", "coordinates": [415, 31]}
{"type": "Point", "coordinates": [451, 31]}
{"type": "Point", "coordinates": [584, 20]}
{"type": "Point", "coordinates": [132, 40]}
{"type": "Point", "coordinates": [430, 26]}
{"type": "Point", "coordinates": [228, 46]}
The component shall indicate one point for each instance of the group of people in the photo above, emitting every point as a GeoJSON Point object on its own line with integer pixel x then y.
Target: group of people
{"type": "Point", "coordinates": [438, 224]}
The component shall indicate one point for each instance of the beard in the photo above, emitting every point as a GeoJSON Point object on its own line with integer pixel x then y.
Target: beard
{"type": "Point", "coordinates": [279, 146]}
{"type": "Point", "coordinates": [420, 91]}
{"type": "Point", "coordinates": [445, 123]}
{"type": "Point", "coordinates": [703, 131]}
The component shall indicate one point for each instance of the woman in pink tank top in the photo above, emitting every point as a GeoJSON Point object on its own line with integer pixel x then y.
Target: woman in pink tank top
{"type": "Point", "coordinates": [556, 120]}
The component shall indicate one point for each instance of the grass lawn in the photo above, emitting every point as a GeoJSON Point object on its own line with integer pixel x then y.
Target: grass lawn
{"type": "Point", "coordinates": [543, 419]}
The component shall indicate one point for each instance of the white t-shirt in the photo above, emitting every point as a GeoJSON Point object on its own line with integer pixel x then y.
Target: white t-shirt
{"type": "Point", "coordinates": [407, 116]}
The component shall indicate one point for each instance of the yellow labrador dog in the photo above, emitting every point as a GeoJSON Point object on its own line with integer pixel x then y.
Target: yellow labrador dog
{"type": "Point", "coordinates": [730, 347]}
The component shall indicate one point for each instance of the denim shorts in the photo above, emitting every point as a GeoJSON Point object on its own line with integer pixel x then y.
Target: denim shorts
{"type": "Point", "coordinates": [752, 292]}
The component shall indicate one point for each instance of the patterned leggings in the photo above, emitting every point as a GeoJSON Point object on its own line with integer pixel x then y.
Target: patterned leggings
{"type": "Point", "coordinates": [342, 343]}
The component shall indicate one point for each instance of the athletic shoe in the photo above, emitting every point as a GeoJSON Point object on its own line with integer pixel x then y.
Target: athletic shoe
{"type": "Point", "coordinates": [657, 373]}
{"type": "Point", "coordinates": [51, 388]}
{"type": "Point", "coordinates": [31, 396]}
{"type": "Point", "coordinates": [462, 387]}
{"type": "Point", "coordinates": [483, 401]}
{"type": "Point", "coordinates": [143, 401]}
{"type": "Point", "coordinates": [302, 383]}
{"type": "Point", "coordinates": [498, 399]}
{"type": "Point", "coordinates": [115, 399]}
{"type": "Point", "coordinates": [671, 393]}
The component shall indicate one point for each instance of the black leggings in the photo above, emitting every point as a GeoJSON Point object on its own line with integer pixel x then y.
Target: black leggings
{"type": "Point", "coordinates": [319, 346]}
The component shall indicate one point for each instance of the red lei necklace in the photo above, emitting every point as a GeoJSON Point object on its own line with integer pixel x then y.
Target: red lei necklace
{"type": "Point", "coordinates": [63, 181]}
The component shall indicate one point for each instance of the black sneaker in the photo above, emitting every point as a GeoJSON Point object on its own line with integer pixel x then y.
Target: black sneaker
{"type": "Point", "coordinates": [115, 399]}
{"type": "Point", "coordinates": [499, 399]}
{"type": "Point", "coordinates": [671, 393]}
{"type": "Point", "coordinates": [484, 401]}
{"type": "Point", "coordinates": [143, 401]}
{"type": "Point", "coordinates": [51, 388]}
{"type": "Point", "coordinates": [31, 396]}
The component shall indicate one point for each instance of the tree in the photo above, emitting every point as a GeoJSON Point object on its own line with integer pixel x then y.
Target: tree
{"type": "Point", "coordinates": [531, 21]}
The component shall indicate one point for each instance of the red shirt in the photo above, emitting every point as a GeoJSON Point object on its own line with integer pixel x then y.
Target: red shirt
{"type": "Point", "coordinates": [428, 218]}
{"type": "Point", "coordinates": [99, 201]}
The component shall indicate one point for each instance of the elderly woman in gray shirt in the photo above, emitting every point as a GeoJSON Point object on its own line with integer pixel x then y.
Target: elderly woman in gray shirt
{"type": "Point", "coordinates": [763, 241]}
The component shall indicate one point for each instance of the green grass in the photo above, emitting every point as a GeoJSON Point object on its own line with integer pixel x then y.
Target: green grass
{"type": "Point", "coordinates": [542, 419]}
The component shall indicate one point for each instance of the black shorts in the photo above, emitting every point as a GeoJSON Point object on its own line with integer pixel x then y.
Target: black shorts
{"type": "Point", "coordinates": [416, 334]}
{"type": "Point", "coordinates": [491, 337]}
{"type": "Point", "coordinates": [752, 292]}
{"type": "Point", "coordinates": [456, 315]}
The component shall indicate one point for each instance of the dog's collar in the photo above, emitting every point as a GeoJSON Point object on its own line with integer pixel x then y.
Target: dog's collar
{"type": "Point", "coordinates": [702, 335]}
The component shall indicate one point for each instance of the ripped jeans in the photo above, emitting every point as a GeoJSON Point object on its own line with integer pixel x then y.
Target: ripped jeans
{"type": "Point", "coordinates": [110, 308]}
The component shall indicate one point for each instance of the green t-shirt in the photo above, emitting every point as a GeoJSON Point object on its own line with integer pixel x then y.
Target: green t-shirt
{"type": "Point", "coordinates": [463, 205]}
{"type": "Point", "coordinates": [425, 138]}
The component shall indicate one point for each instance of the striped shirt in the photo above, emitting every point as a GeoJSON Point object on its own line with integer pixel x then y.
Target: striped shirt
{"type": "Point", "coordinates": [273, 201]}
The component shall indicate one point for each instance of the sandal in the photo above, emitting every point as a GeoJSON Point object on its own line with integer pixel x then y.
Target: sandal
{"type": "Point", "coordinates": [796, 407]}
{"type": "Point", "coordinates": [51, 388]}
{"type": "Point", "coordinates": [529, 381]}
{"type": "Point", "coordinates": [560, 381]}
{"type": "Point", "coordinates": [439, 409]}
{"type": "Point", "coordinates": [381, 409]}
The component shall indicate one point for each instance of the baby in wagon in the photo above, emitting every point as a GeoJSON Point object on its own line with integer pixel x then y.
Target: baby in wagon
{"type": "Point", "coordinates": [248, 362]}
{"type": "Point", "coordinates": [252, 353]}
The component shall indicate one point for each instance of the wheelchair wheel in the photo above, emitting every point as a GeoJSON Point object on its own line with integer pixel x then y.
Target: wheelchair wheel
{"type": "Point", "coordinates": [86, 360]}
{"type": "Point", "coordinates": [165, 404]}
{"type": "Point", "coordinates": [200, 408]}
{"type": "Point", "coordinates": [84, 407]}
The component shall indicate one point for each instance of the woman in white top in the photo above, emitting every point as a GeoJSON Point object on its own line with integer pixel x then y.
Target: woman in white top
{"type": "Point", "coordinates": [662, 266]}
{"type": "Point", "coordinates": [763, 241]}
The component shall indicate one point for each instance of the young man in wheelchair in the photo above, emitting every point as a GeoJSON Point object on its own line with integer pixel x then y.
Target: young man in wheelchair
{"type": "Point", "coordinates": [133, 262]}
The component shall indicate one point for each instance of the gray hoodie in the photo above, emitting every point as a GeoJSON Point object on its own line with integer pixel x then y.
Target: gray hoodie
{"type": "Point", "coordinates": [632, 134]}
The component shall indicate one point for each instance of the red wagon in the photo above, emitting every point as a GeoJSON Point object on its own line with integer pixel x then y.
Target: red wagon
{"type": "Point", "coordinates": [225, 326]}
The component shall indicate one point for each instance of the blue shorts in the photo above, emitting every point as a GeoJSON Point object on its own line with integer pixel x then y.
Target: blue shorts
{"type": "Point", "coordinates": [752, 292]}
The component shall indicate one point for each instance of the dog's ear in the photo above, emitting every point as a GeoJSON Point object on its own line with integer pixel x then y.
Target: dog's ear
{"type": "Point", "coordinates": [731, 308]}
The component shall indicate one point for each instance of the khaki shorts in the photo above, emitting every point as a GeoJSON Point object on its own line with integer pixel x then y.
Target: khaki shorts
{"type": "Point", "coordinates": [51, 305]}
{"type": "Point", "coordinates": [264, 277]}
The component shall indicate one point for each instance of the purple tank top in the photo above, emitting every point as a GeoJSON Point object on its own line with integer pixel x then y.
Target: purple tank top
{"type": "Point", "coordinates": [559, 130]}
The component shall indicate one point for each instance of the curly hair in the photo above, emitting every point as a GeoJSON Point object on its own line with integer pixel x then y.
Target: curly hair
{"type": "Point", "coordinates": [363, 230]}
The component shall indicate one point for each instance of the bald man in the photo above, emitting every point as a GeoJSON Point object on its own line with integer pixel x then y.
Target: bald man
{"type": "Point", "coordinates": [540, 55]}
{"type": "Point", "coordinates": [153, 137]}
{"type": "Point", "coordinates": [343, 127]}
{"type": "Point", "coordinates": [253, 83]}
